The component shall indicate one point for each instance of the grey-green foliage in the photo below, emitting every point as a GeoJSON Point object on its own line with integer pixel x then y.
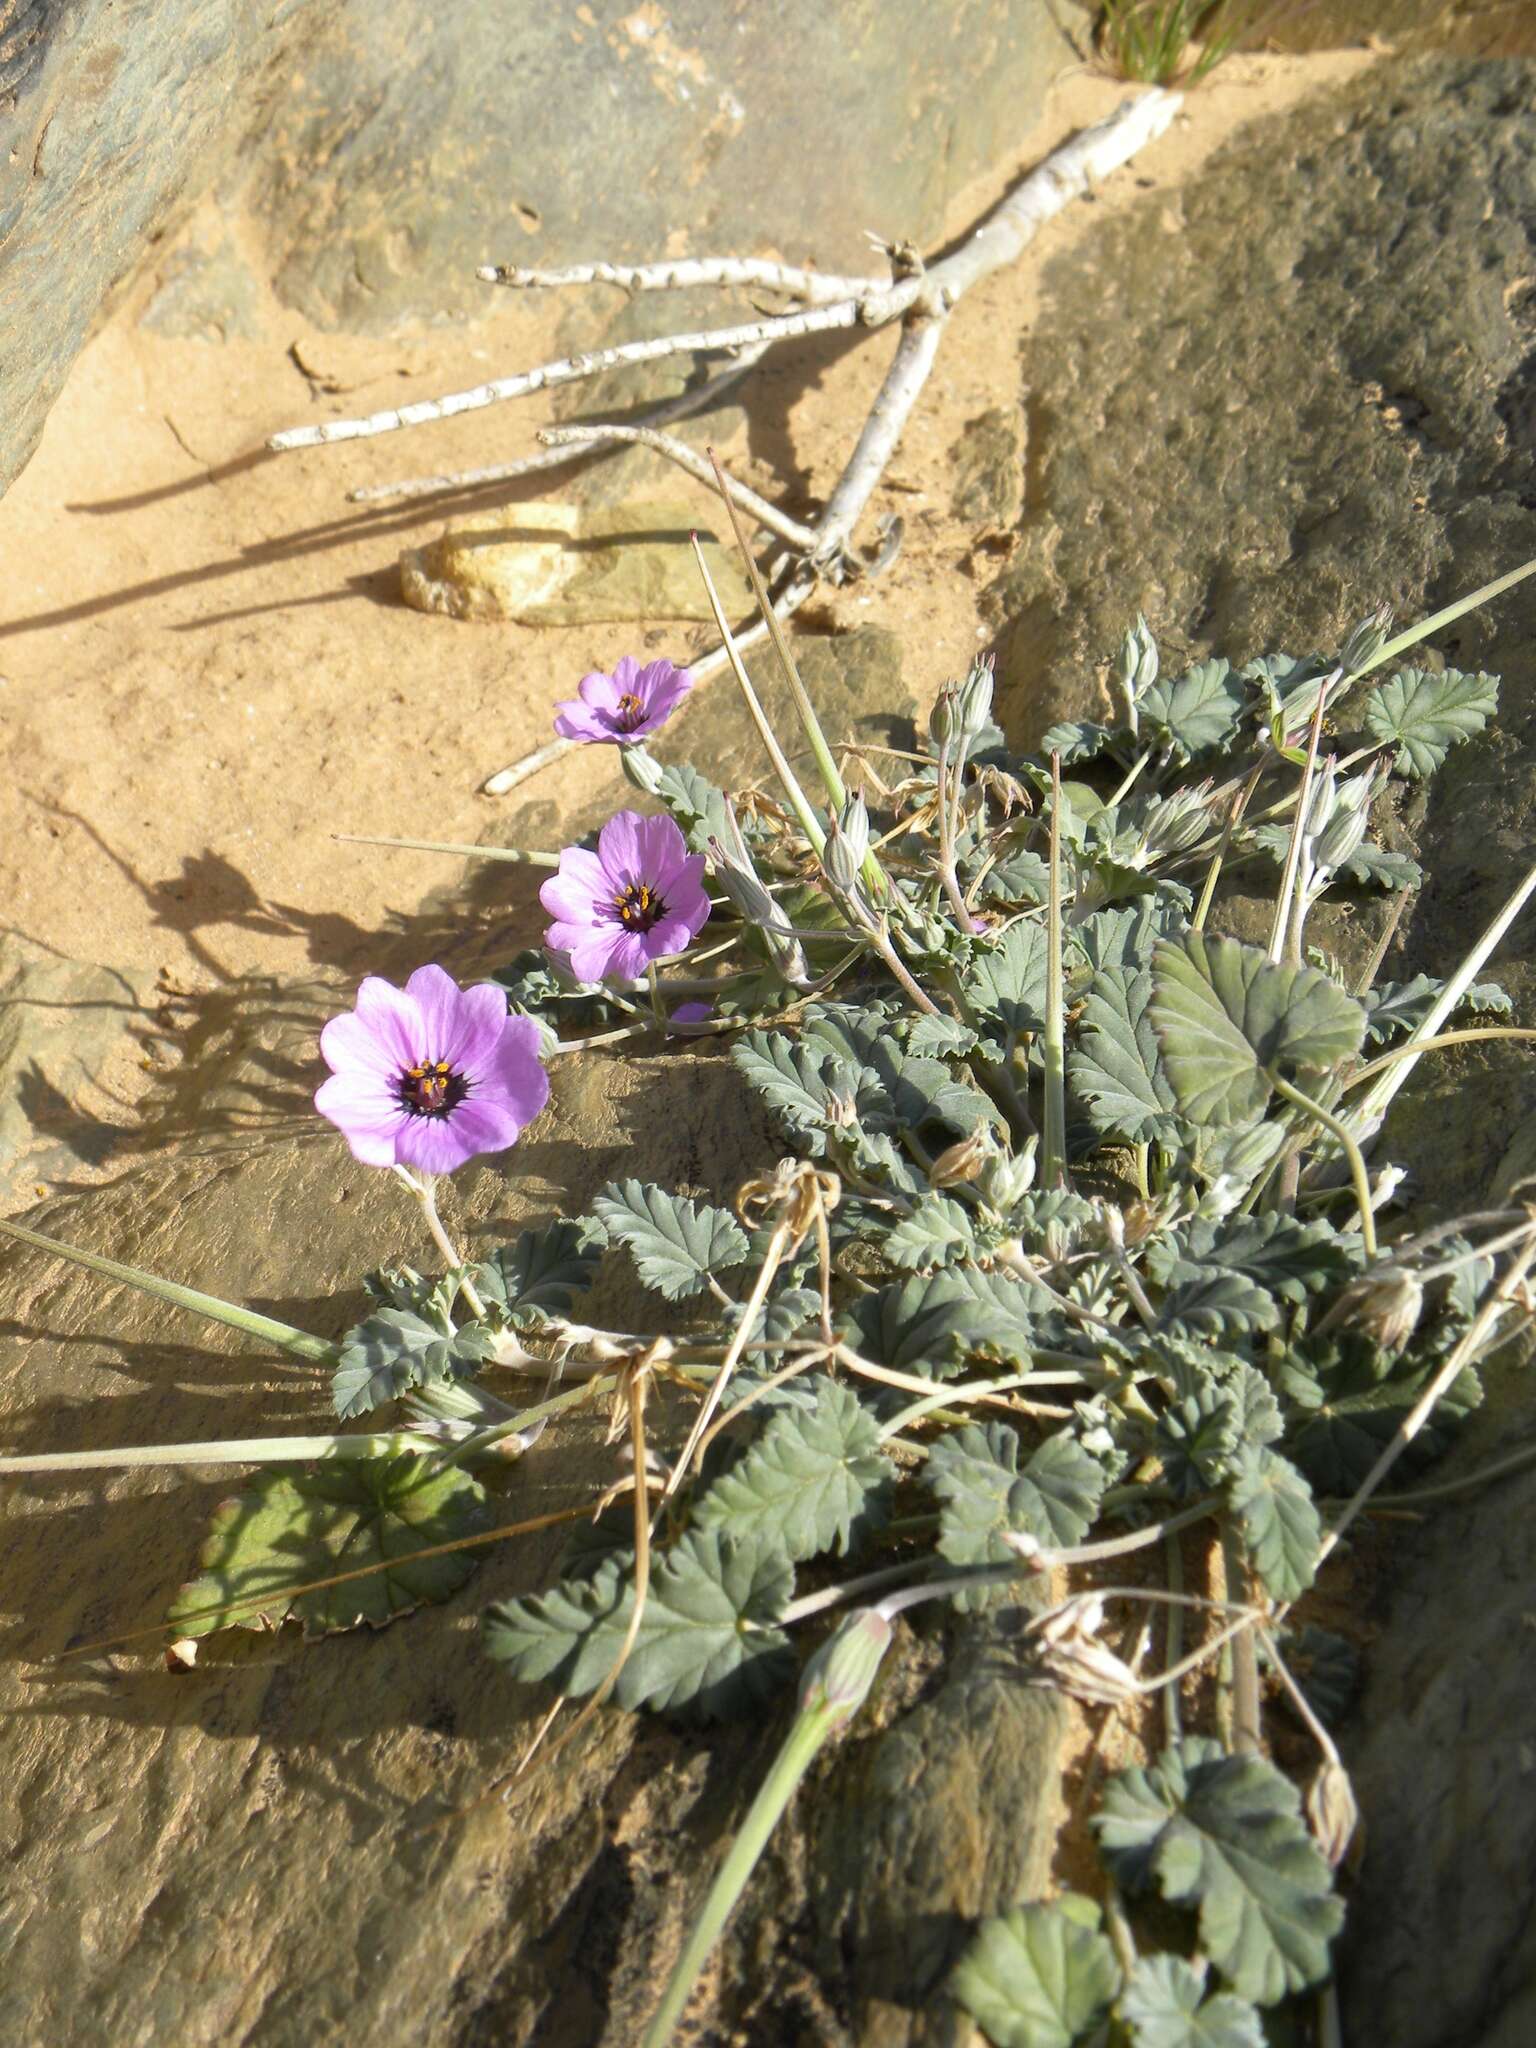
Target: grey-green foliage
{"type": "Point", "coordinates": [1038, 1976]}
{"type": "Point", "coordinates": [983, 1493]}
{"type": "Point", "coordinates": [814, 1480]}
{"type": "Point", "coordinates": [678, 1245]}
{"type": "Point", "coordinates": [1224, 1834]}
{"type": "Point", "coordinates": [396, 1349]}
{"type": "Point", "coordinates": [1427, 715]}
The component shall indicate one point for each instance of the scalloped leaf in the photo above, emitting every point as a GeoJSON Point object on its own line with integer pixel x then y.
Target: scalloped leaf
{"type": "Point", "coordinates": [1195, 714]}
{"type": "Point", "coordinates": [814, 1480]}
{"type": "Point", "coordinates": [677, 1245]}
{"type": "Point", "coordinates": [1285, 1258]}
{"type": "Point", "coordinates": [939, 1231]}
{"type": "Point", "coordinates": [707, 1640]}
{"type": "Point", "coordinates": [1226, 1016]}
{"type": "Point", "coordinates": [1426, 715]}
{"type": "Point", "coordinates": [1164, 2006]}
{"type": "Point", "coordinates": [1395, 1007]}
{"type": "Point", "coordinates": [540, 1273]}
{"type": "Point", "coordinates": [931, 1325]}
{"type": "Point", "coordinates": [1039, 1976]}
{"type": "Point", "coordinates": [1005, 982]}
{"type": "Point", "coordinates": [1078, 740]}
{"type": "Point", "coordinates": [1225, 1834]}
{"type": "Point", "coordinates": [394, 1350]}
{"type": "Point", "coordinates": [1211, 1301]}
{"type": "Point", "coordinates": [697, 805]}
{"type": "Point", "coordinates": [1115, 1070]}
{"type": "Point", "coordinates": [296, 1523]}
{"type": "Point", "coordinates": [974, 1474]}
{"type": "Point", "coordinates": [803, 1084]}
{"type": "Point", "coordinates": [1281, 1528]}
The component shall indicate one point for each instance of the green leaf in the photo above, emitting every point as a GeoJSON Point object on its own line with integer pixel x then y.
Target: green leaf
{"type": "Point", "coordinates": [1369, 865]}
{"type": "Point", "coordinates": [940, 1038]}
{"type": "Point", "coordinates": [677, 1244]}
{"type": "Point", "coordinates": [1196, 714]}
{"type": "Point", "coordinates": [1354, 1402]}
{"type": "Point", "coordinates": [1165, 2006]}
{"type": "Point", "coordinates": [932, 1325]}
{"type": "Point", "coordinates": [1224, 1833]}
{"type": "Point", "coordinates": [1039, 1976]}
{"type": "Point", "coordinates": [974, 1474]}
{"type": "Point", "coordinates": [1077, 742]}
{"type": "Point", "coordinates": [1006, 981]}
{"type": "Point", "coordinates": [540, 1274]}
{"type": "Point", "coordinates": [707, 1639]}
{"type": "Point", "coordinates": [394, 1350]}
{"type": "Point", "coordinates": [1401, 1006]}
{"type": "Point", "coordinates": [1209, 1301]}
{"type": "Point", "coordinates": [1282, 1530]}
{"type": "Point", "coordinates": [937, 1232]}
{"type": "Point", "coordinates": [1285, 1258]}
{"type": "Point", "coordinates": [1115, 1070]}
{"type": "Point", "coordinates": [1427, 715]}
{"type": "Point", "coordinates": [294, 1524]}
{"type": "Point", "coordinates": [1197, 1438]}
{"type": "Point", "coordinates": [805, 1085]}
{"type": "Point", "coordinates": [1021, 877]}
{"type": "Point", "coordinates": [1326, 1667]}
{"type": "Point", "coordinates": [1227, 1018]}
{"type": "Point", "coordinates": [813, 1480]}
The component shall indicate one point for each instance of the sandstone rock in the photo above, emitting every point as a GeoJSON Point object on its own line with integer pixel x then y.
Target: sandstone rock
{"type": "Point", "coordinates": [547, 564]}
{"type": "Point", "coordinates": [382, 153]}
{"type": "Point", "coordinates": [989, 471]}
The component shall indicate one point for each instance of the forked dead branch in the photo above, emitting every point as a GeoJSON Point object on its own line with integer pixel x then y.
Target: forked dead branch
{"type": "Point", "coordinates": [918, 297]}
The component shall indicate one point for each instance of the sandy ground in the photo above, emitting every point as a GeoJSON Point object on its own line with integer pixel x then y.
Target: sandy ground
{"type": "Point", "coordinates": [205, 665]}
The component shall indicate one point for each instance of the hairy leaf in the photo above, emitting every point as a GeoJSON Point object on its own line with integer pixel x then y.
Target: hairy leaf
{"type": "Point", "coordinates": [1225, 1833]}
{"type": "Point", "coordinates": [1369, 865]}
{"type": "Point", "coordinates": [938, 1231]}
{"type": "Point", "coordinates": [973, 1471]}
{"type": "Point", "coordinates": [1195, 714]}
{"type": "Point", "coordinates": [1077, 742]}
{"type": "Point", "coordinates": [1427, 715]}
{"type": "Point", "coordinates": [1210, 1301]}
{"type": "Point", "coordinates": [1227, 1018]}
{"type": "Point", "coordinates": [677, 1244]}
{"type": "Point", "coordinates": [813, 1480]}
{"type": "Point", "coordinates": [1021, 877]}
{"type": "Point", "coordinates": [1282, 1530]}
{"type": "Point", "coordinates": [1039, 1976]}
{"type": "Point", "coordinates": [1006, 980]}
{"type": "Point", "coordinates": [1165, 2006]}
{"type": "Point", "coordinates": [932, 1325]}
{"type": "Point", "coordinates": [1395, 1007]}
{"type": "Point", "coordinates": [707, 1640]}
{"type": "Point", "coordinates": [1354, 1402]}
{"type": "Point", "coordinates": [694, 801]}
{"type": "Point", "coordinates": [540, 1274]}
{"type": "Point", "coordinates": [1197, 1438]}
{"type": "Point", "coordinates": [1286, 1258]}
{"type": "Point", "coordinates": [1115, 1070]}
{"type": "Point", "coordinates": [395, 1350]}
{"type": "Point", "coordinates": [809, 1089]}
{"type": "Point", "coordinates": [939, 1038]}
{"type": "Point", "coordinates": [295, 1524]}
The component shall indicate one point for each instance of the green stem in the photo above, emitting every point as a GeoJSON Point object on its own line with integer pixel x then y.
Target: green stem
{"type": "Point", "coordinates": [511, 853]}
{"type": "Point", "coordinates": [255, 1450]}
{"type": "Point", "coordinates": [1352, 1152]}
{"type": "Point", "coordinates": [810, 824]}
{"type": "Point", "coordinates": [1173, 1648]}
{"type": "Point", "coordinates": [835, 1686]}
{"type": "Point", "coordinates": [1130, 779]}
{"type": "Point", "coordinates": [298, 1343]}
{"type": "Point", "coordinates": [1053, 1146]}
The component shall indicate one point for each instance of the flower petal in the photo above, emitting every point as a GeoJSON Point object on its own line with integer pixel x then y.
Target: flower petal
{"type": "Point", "coordinates": [591, 951]}
{"type": "Point", "coordinates": [575, 722]}
{"type": "Point", "coordinates": [393, 1017]}
{"type": "Point", "coordinates": [662, 854]}
{"type": "Point", "coordinates": [367, 1116]}
{"type": "Point", "coordinates": [350, 1045]}
{"type": "Point", "coordinates": [618, 848]}
{"type": "Point", "coordinates": [514, 1076]}
{"type": "Point", "coordinates": [627, 675]}
{"type": "Point", "coordinates": [435, 1144]}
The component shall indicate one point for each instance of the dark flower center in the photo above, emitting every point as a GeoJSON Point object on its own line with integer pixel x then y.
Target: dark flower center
{"type": "Point", "coordinates": [432, 1089]}
{"type": "Point", "coordinates": [630, 712]}
{"type": "Point", "coordinates": [639, 907]}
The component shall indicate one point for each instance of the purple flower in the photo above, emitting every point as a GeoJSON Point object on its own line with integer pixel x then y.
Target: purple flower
{"type": "Point", "coordinates": [638, 898]}
{"type": "Point", "coordinates": [430, 1075]}
{"type": "Point", "coordinates": [626, 705]}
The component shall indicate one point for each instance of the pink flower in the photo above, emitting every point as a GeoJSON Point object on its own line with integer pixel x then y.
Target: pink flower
{"type": "Point", "coordinates": [626, 705]}
{"type": "Point", "coordinates": [430, 1075]}
{"type": "Point", "coordinates": [639, 897]}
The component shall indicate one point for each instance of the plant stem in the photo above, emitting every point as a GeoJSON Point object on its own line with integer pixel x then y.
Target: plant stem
{"type": "Point", "coordinates": [424, 1190]}
{"type": "Point", "coordinates": [1352, 1152]}
{"type": "Point", "coordinates": [1053, 1143]}
{"type": "Point", "coordinates": [256, 1450]}
{"type": "Point", "coordinates": [298, 1343]}
{"type": "Point", "coordinates": [508, 853]}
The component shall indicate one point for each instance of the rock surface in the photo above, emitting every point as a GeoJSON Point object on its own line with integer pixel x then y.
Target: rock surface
{"type": "Point", "coordinates": [1309, 387]}
{"type": "Point", "coordinates": [383, 152]}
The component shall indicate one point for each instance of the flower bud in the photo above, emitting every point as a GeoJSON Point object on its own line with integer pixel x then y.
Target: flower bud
{"type": "Point", "coordinates": [1176, 822]}
{"type": "Point", "coordinates": [640, 769]}
{"type": "Point", "coordinates": [1135, 667]}
{"type": "Point", "coordinates": [741, 885]}
{"type": "Point", "coordinates": [1340, 838]}
{"type": "Point", "coordinates": [973, 704]}
{"type": "Point", "coordinates": [1384, 1305]}
{"type": "Point", "coordinates": [839, 1676]}
{"type": "Point", "coordinates": [1366, 641]}
{"type": "Point", "coordinates": [1332, 1811]}
{"type": "Point", "coordinates": [1008, 1178]}
{"type": "Point", "coordinates": [943, 722]}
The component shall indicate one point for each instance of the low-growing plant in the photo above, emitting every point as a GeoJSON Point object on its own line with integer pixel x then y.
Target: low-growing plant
{"type": "Point", "coordinates": [1176, 42]}
{"type": "Point", "coordinates": [1077, 1251]}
